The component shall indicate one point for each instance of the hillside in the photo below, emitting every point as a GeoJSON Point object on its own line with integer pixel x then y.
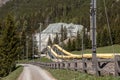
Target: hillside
{"type": "Point", "coordinates": [76, 11]}
{"type": "Point", "coordinates": [29, 13]}
{"type": "Point", "coordinates": [106, 49]}
{"type": "Point", "coordinates": [19, 22]}
{"type": "Point", "coordinates": [69, 11]}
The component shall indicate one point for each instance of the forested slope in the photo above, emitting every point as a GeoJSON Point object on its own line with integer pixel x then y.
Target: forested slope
{"type": "Point", "coordinates": [31, 12]}
{"type": "Point", "coordinates": [17, 30]}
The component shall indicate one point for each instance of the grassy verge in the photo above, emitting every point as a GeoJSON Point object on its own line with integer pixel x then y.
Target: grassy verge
{"type": "Point", "coordinates": [107, 49]}
{"type": "Point", "coordinates": [74, 75]}
{"type": "Point", "coordinates": [42, 59]}
{"type": "Point", "coordinates": [15, 74]}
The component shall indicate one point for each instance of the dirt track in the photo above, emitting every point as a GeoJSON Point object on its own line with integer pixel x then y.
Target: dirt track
{"type": "Point", "coordinates": [32, 72]}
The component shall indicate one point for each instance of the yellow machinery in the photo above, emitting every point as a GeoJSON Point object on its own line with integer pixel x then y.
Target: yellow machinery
{"type": "Point", "coordinates": [68, 55]}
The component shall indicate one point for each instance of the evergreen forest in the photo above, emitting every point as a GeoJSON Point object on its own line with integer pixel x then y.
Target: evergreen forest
{"type": "Point", "coordinates": [19, 21]}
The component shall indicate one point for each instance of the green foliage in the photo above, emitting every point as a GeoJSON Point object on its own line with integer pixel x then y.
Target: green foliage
{"type": "Point", "coordinates": [49, 41]}
{"type": "Point", "coordinates": [63, 32]}
{"type": "Point", "coordinates": [86, 38]}
{"type": "Point", "coordinates": [56, 39]}
{"type": "Point", "coordinates": [78, 41]}
{"type": "Point", "coordinates": [73, 47]}
{"type": "Point", "coordinates": [35, 46]}
{"type": "Point", "coordinates": [9, 46]}
{"type": "Point", "coordinates": [32, 12]}
{"type": "Point", "coordinates": [69, 45]}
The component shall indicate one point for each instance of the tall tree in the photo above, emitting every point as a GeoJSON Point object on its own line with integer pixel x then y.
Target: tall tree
{"type": "Point", "coordinates": [56, 39]}
{"type": "Point", "coordinates": [73, 46]}
{"type": "Point", "coordinates": [69, 45]}
{"type": "Point", "coordinates": [87, 40]}
{"type": "Point", "coordinates": [65, 33]}
{"type": "Point", "coordinates": [49, 41]}
{"type": "Point", "coordinates": [105, 37]}
{"type": "Point", "coordinates": [78, 41]}
{"type": "Point", "coordinates": [62, 33]}
{"type": "Point", "coordinates": [9, 46]}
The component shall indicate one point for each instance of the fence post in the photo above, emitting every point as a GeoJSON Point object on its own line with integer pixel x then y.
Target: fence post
{"type": "Point", "coordinates": [117, 65]}
{"type": "Point", "coordinates": [84, 65]}
{"type": "Point", "coordinates": [75, 65]}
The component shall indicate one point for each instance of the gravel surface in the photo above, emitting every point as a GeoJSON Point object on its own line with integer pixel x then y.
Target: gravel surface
{"type": "Point", "coordinates": [32, 72]}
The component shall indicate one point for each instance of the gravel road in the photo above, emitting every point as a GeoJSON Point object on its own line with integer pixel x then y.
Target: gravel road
{"type": "Point", "coordinates": [31, 72]}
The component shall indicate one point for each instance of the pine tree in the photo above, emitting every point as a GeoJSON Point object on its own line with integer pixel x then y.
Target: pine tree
{"type": "Point", "coordinates": [35, 47]}
{"type": "Point", "coordinates": [87, 40]}
{"type": "Point", "coordinates": [69, 45]}
{"type": "Point", "coordinates": [62, 33]}
{"type": "Point", "coordinates": [78, 41]}
{"type": "Point", "coordinates": [99, 39]}
{"type": "Point", "coordinates": [9, 46]}
{"type": "Point", "coordinates": [56, 39]}
{"type": "Point", "coordinates": [0, 27]}
{"type": "Point", "coordinates": [23, 45]}
{"type": "Point", "coordinates": [23, 33]}
{"type": "Point", "coordinates": [105, 38]}
{"type": "Point", "coordinates": [117, 36]}
{"type": "Point", "coordinates": [64, 46]}
{"type": "Point", "coordinates": [49, 41]}
{"type": "Point", "coordinates": [73, 46]}
{"type": "Point", "coordinates": [30, 41]}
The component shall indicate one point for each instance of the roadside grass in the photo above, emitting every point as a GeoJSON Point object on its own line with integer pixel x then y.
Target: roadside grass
{"type": "Point", "coordinates": [14, 75]}
{"type": "Point", "coordinates": [42, 59]}
{"type": "Point", "coordinates": [61, 74]}
{"type": "Point", "coordinates": [107, 49]}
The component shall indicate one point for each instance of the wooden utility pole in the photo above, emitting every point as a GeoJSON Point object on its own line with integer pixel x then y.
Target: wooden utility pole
{"type": "Point", "coordinates": [40, 39]}
{"type": "Point", "coordinates": [33, 46]}
{"type": "Point", "coordinates": [27, 47]}
{"type": "Point", "coordinates": [93, 33]}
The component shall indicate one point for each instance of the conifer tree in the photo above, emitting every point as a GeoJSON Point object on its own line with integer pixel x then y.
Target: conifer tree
{"type": "Point", "coordinates": [78, 41]}
{"type": "Point", "coordinates": [65, 33]}
{"type": "Point", "coordinates": [35, 46]}
{"type": "Point", "coordinates": [56, 39]}
{"type": "Point", "coordinates": [73, 46]}
{"type": "Point", "coordinates": [23, 45]}
{"type": "Point", "coordinates": [30, 42]}
{"type": "Point", "coordinates": [64, 46]}
{"type": "Point", "coordinates": [9, 46]}
{"type": "Point", "coordinates": [49, 41]}
{"type": "Point", "coordinates": [69, 46]}
{"type": "Point", "coordinates": [105, 38]}
{"type": "Point", "coordinates": [62, 33]}
{"type": "Point", "coordinates": [87, 40]}
{"type": "Point", "coordinates": [117, 35]}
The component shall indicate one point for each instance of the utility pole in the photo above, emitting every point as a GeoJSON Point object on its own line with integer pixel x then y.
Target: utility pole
{"type": "Point", "coordinates": [20, 45]}
{"type": "Point", "coordinates": [93, 29]}
{"type": "Point", "coordinates": [40, 39]}
{"type": "Point", "coordinates": [27, 47]}
{"type": "Point", "coordinates": [33, 46]}
{"type": "Point", "coordinates": [82, 43]}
